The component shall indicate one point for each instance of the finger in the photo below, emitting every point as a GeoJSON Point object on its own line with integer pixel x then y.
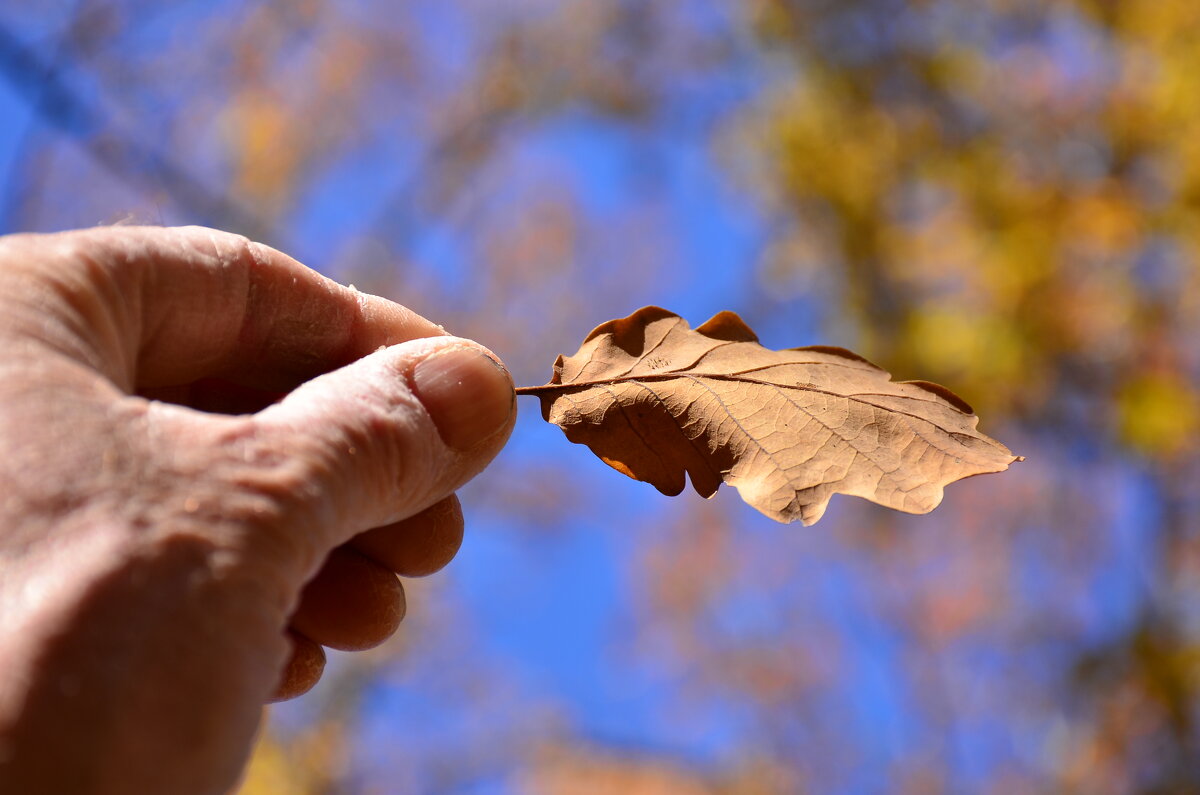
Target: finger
{"type": "Point", "coordinates": [382, 439]}
{"type": "Point", "coordinates": [352, 603]}
{"type": "Point", "coordinates": [418, 545]}
{"type": "Point", "coordinates": [196, 302]}
{"type": "Point", "coordinates": [303, 670]}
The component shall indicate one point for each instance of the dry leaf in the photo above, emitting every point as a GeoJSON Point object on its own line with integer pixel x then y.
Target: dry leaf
{"type": "Point", "coordinates": [654, 398]}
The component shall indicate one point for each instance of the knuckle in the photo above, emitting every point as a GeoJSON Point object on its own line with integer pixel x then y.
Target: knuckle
{"type": "Point", "coordinates": [396, 449]}
{"type": "Point", "coordinates": [375, 449]}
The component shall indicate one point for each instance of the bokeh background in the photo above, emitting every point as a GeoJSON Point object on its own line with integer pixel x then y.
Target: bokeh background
{"type": "Point", "coordinates": [999, 195]}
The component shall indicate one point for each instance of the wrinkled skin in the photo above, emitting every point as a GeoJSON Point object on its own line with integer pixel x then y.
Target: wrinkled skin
{"type": "Point", "coordinates": [195, 427]}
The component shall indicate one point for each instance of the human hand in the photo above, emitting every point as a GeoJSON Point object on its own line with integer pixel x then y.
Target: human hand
{"type": "Point", "coordinates": [154, 555]}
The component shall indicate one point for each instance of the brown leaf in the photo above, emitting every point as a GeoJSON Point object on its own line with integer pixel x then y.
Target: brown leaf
{"type": "Point", "coordinates": [654, 399]}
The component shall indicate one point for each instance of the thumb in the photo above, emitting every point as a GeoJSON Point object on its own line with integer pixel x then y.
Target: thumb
{"type": "Point", "coordinates": [385, 437]}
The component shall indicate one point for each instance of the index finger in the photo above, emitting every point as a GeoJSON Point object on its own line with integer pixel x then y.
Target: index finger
{"type": "Point", "coordinates": [201, 303]}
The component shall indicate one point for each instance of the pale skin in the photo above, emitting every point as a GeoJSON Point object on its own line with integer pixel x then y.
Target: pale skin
{"type": "Point", "coordinates": [193, 428]}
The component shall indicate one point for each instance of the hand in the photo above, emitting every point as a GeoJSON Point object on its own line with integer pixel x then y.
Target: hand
{"type": "Point", "coordinates": [154, 555]}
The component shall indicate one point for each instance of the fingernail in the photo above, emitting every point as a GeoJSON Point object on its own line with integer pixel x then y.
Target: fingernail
{"type": "Point", "coordinates": [469, 395]}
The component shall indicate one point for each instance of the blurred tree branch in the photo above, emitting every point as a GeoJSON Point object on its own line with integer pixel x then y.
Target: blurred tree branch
{"type": "Point", "coordinates": [46, 87]}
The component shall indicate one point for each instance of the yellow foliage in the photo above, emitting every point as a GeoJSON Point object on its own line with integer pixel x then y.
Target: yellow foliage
{"type": "Point", "coordinates": [260, 134]}
{"type": "Point", "coordinates": [833, 149]}
{"type": "Point", "coordinates": [273, 771]}
{"type": "Point", "coordinates": [1044, 204]}
{"type": "Point", "coordinates": [1160, 414]}
{"type": "Point", "coordinates": [307, 764]}
{"type": "Point", "coordinates": [950, 340]}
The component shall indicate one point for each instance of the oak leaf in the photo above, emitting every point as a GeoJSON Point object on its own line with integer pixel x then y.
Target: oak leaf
{"type": "Point", "coordinates": [654, 398]}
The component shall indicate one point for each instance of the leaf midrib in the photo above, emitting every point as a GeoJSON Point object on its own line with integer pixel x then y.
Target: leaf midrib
{"type": "Point", "coordinates": [738, 378]}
